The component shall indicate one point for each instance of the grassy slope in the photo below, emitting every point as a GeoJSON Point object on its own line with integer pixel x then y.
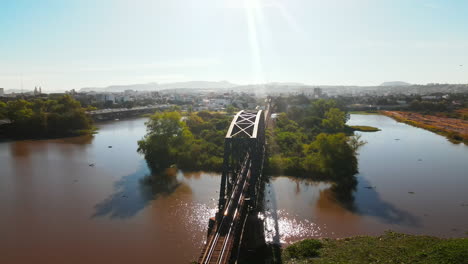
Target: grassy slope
{"type": "Point", "coordinates": [388, 248]}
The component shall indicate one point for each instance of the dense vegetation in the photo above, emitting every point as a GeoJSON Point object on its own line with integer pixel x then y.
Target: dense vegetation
{"type": "Point", "coordinates": [39, 117]}
{"type": "Point", "coordinates": [192, 142]}
{"type": "Point", "coordinates": [306, 141]}
{"type": "Point", "coordinates": [311, 140]}
{"type": "Point", "coordinates": [427, 106]}
{"type": "Point", "coordinates": [388, 248]}
{"type": "Point", "coordinates": [440, 108]}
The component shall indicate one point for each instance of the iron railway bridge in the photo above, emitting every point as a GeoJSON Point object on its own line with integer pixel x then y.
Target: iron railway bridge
{"type": "Point", "coordinates": [244, 153]}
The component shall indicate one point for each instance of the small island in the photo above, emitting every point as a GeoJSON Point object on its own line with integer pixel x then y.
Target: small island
{"type": "Point", "coordinates": [45, 118]}
{"type": "Point", "coordinates": [365, 128]}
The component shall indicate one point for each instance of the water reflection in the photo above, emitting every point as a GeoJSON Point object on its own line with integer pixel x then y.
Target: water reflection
{"type": "Point", "coordinates": [193, 174]}
{"type": "Point", "coordinates": [20, 149]}
{"type": "Point", "coordinates": [272, 230]}
{"type": "Point", "coordinates": [68, 146]}
{"type": "Point", "coordinates": [343, 192]}
{"type": "Point", "coordinates": [282, 225]}
{"type": "Point", "coordinates": [81, 140]}
{"type": "Point", "coordinates": [327, 209]}
{"type": "Point", "coordinates": [366, 202]}
{"type": "Point", "coordinates": [135, 191]}
{"type": "Point", "coordinates": [369, 202]}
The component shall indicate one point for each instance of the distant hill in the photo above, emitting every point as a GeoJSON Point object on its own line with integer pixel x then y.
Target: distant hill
{"type": "Point", "coordinates": [9, 91]}
{"type": "Point", "coordinates": [397, 83]}
{"type": "Point", "coordinates": [162, 86]}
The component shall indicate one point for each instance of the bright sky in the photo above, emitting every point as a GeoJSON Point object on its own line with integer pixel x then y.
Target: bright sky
{"type": "Point", "coordinates": [86, 43]}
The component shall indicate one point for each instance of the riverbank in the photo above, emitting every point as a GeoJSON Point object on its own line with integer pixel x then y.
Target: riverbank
{"type": "Point", "coordinates": [365, 128]}
{"type": "Point", "coordinates": [456, 130]}
{"type": "Point", "coordinates": [390, 247]}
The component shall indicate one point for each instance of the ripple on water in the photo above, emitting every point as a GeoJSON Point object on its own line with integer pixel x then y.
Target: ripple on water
{"type": "Point", "coordinates": [284, 228]}
{"type": "Point", "coordinates": [196, 217]}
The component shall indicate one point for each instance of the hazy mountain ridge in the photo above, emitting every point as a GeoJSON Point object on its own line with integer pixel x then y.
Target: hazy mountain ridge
{"type": "Point", "coordinates": [271, 88]}
{"type": "Point", "coordinates": [162, 86]}
{"type": "Point", "coordinates": [395, 83]}
{"type": "Point", "coordinates": [278, 88]}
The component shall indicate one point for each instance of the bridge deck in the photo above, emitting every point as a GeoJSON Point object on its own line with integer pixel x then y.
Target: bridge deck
{"type": "Point", "coordinates": [221, 240]}
{"type": "Point", "coordinates": [243, 162]}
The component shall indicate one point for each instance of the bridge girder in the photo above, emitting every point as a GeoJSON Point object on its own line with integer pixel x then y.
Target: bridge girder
{"type": "Point", "coordinates": [245, 136]}
{"type": "Point", "coordinates": [244, 150]}
{"type": "Point", "coordinates": [245, 125]}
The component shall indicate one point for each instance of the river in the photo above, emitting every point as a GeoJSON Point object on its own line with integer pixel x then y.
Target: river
{"type": "Point", "coordinates": [85, 200]}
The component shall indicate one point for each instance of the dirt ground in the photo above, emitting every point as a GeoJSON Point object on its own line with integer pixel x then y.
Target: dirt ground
{"type": "Point", "coordinates": [427, 121]}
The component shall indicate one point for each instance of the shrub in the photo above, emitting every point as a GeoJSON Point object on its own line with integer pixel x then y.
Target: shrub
{"type": "Point", "coordinates": [307, 248]}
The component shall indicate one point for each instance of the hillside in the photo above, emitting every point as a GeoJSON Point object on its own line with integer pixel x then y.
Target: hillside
{"type": "Point", "coordinates": [162, 86]}
{"type": "Point", "coordinates": [395, 83]}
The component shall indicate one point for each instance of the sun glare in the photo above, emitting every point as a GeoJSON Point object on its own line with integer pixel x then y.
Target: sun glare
{"type": "Point", "coordinates": [251, 7]}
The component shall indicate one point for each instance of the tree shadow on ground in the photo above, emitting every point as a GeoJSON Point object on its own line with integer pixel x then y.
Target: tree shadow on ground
{"type": "Point", "coordinates": [135, 191]}
{"type": "Point", "coordinates": [367, 201]}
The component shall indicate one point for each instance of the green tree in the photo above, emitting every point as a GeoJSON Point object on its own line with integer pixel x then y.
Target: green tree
{"type": "Point", "coordinates": [334, 121]}
{"type": "Point", "coordinates": [280, 104]}
{"type": "Point", "coordinates": [284, 123]}
{"type": "Point", "coordinates": [53, 117]}
{"type": "Point", "coordinates": [192, 142]}
{"type": "Point", "coordinates": [334, 157]}
{"type": "Point", "coordinates": [322, 106]}
{"type": "Point", "coordinates": [3, 110]}
{"type": "Point", "coordinates": [19, 111]}
{"type": "Point", "coordinates": [230, 109]}
{"type": "Point", "coordinates": [166, 140]}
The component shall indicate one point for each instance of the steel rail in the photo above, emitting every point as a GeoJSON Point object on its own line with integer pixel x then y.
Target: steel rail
{"type": "Point", "coordinates": [214, 241]}
{"type": "Point", "coordinates": [239, 205]}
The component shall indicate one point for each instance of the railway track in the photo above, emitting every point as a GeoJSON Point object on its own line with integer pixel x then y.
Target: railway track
{"type": "Point", "coordinates": [218, 247]}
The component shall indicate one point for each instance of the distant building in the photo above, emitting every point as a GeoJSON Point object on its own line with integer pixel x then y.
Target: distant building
{"type": "Point", "coordinates": [129, 92]}
{"type": "Point", "coordinates": [105, 98]}
{"type": "Point", "coordinates": [122, 99]}
{"type": "Point", "coordinates": [2, 91]}
{"type": "Point", "coordinates": [37, 90]}
{"type": "Point", "coordinates": [317, 92]}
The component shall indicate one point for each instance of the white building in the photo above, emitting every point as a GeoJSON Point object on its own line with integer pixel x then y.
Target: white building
{"type": "Point", "coordinates": [2, 91]}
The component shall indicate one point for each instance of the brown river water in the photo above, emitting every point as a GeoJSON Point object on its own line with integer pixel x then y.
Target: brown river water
{"type": "Point", "coordinates": [77, 200]}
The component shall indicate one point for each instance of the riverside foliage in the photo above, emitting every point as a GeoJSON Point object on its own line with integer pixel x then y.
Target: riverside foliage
{"type": "Point", "coordinates": [39, 117]}
{"type": "Point", "coordinates": [193, 142]}
{"type": "Point", "coordinates": [313, 141]}
{"type": "Point", "coordinates": [309, 142]}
